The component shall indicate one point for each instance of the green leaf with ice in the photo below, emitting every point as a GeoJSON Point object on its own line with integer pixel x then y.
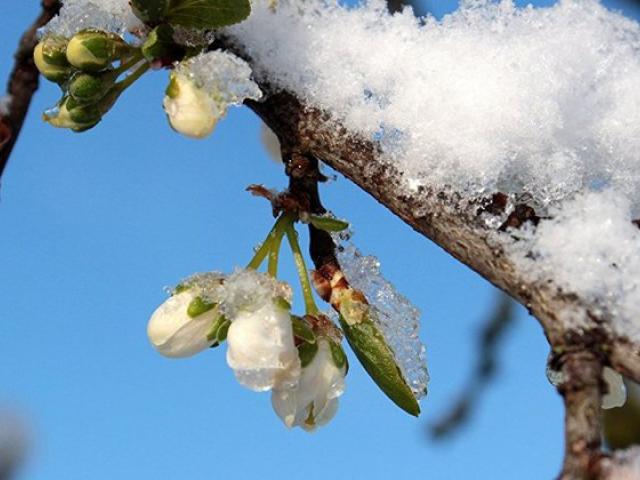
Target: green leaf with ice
{"type": "Point", "coordinates": [377, 358]}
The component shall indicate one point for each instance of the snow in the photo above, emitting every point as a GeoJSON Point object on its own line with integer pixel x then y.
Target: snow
{"type": "Point", "coordinates": [108, 15]}
{"type": "Point", "coordinates": [5, 104]}
{"type": "Point", "coordinates": [541, 102]}
{"type": "Point", "coordinates": [224, 76]}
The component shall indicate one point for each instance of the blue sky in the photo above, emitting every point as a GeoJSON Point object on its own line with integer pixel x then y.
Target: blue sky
{"type": "Point", "coordinates": [95, 225]}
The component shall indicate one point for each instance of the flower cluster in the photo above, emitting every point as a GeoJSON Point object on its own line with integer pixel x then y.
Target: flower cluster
{"type": "Point", "coordinates": [84, 68]}
{"type": "Point", "coordinates": [268, 348]}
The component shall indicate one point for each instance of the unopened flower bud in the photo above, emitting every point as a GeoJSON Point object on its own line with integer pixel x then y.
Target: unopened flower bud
{"type": "Point", "coordinates": [183, 325]}
{"type": "Point", "coordinates": [51, 60]}
{"type": "Point", "coordinates": [93, 50]}
{"type": "Point", "coordinates": [69, 114]}
{"type": "Point", "coordinates": [190, 110]}
{"type": "Point", "coordinates": [314, 401]}
{"type": "Point", "coordinates": [87, 88]}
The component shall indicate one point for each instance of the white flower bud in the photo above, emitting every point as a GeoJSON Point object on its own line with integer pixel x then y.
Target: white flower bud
{"type": "Point", "coordinates": [616, 394]}
{"type": "Point", "coordinates": [175, 333]}
{"type": "Point", "coordinates": [314, 401]}
{"type": "Point", "coordinates": [191, 110]}
{"type": "Point", "coordinates": [261, 350]}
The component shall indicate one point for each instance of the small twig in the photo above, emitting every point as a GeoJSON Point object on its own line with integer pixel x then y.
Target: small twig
{"type": "Point", "coordinates": [23, 82]}
{"type": "Point", "coordinates": [500, 319]}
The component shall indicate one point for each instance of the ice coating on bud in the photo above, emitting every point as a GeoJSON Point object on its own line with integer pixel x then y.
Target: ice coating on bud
{"type": "Point", "coordinates": [189, 109]}
{"type": "Point", "coordinates": [175, 333]}
{"type": "Point", "coordinates": [68, 114]}
{"type": "Point", "coordinates": [203, 87]}
{"type": "Point", "coordinates": [249, 290]}
{"type": "Point", "coordinates": [314, 401]}
{"type": "Point", "coordinates": [395, 315]}
{"type": "Point", "coordinates": [113, 16]}
{"type": "Point", "coordinates": [616, 394]}
{"type": "Point", "coordinates": [261, 349]}
{"type": "Point", "coordinates": [225, 77]}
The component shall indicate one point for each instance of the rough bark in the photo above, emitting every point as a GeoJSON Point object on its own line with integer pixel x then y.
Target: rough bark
{"type": "Point", "coordinates": [23, 82]}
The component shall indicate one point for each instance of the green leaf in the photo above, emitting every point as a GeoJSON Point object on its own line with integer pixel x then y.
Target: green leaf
{"type": "Point", "coordinates": [198, 306]}
{"type": "Point", "coordinates": [150, 11]}
{"type": "Point", "coordinates": [328, 224]}
{"type": "Point", "coordinates": [306, 352]}
{"type": "Point", "coordinates": [206, 14]}
{"type": "Point", "coordinates": [378, 360]}
{"type": "Point", "coordinates": [301, 330]}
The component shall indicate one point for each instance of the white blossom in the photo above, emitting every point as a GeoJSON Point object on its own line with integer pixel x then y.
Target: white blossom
{"type": "Point", "coordinates": [616, 394]}
{"type": "Point", "coordinates": [190, 110]}
{"type": "Point", "coordinates": [261, 350]}
{"type": "Point", "coordinates": [176, 334]}
{"type": "Point", "coordinates": [314, 401]}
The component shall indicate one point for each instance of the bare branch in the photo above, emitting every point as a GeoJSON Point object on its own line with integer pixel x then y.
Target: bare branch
{"type": "Point", "coordinates": [23, 82]}
{"type": "Point", "coordinates": [502, 316]}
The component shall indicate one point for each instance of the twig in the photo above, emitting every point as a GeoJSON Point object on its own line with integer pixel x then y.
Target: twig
{"type": "Point", "coordinates": [501, 318]}
{"type": "Point", "coordinates": [23, 82]}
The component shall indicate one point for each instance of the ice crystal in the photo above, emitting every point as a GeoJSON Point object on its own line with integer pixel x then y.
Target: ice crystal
{"type": "Point", "coordinates": [222, 75]}
{"type": "Point", "coordinates": [627, 464]}
{"type": "Point", "coordinates": [248, 290]}
{"type": "Point", "coordinates": [192, 37]}
{"type": "Point", "coordinates": [108, 15]}
{"type": "Point", "coordinates": [208, 285]}
{"type": "Point", "coordinates": [397, 317]}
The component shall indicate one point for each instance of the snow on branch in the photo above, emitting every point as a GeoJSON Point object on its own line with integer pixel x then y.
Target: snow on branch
{"type": "Point", "coordinates": [540, 104]}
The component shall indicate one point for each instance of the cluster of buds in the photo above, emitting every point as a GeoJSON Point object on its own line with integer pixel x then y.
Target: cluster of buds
{"type": "Point", "coordinates": [298, 358]}
{"type": "Point", "coordinates": [83, 66]}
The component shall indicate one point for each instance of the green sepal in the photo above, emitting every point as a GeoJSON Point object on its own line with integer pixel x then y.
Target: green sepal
{"type": "Point", "coordinates": [94, 50]}
{"type": "Point", "coordinates": [328, 224]}
{"type": "Point", "coordinates": [198, 306]}
{"type": "Point", "coordinates": [282, 303]}
{"type": "Point", "coordinates": [50, 65]}
{"type": "Point", "coordinates": [338, 355]}
{"type": "Point", "coordinates": [223, 330]}
{"type": "Point", "coordinates": [371, 349]}
{"type": "Point", "coordinates": [149, 11]}
{"type": "Point", "coordinates": [54, 50]}
{"type": "Point", "coordinates": [160, 44]}
{"type": "Point", "coordinates": [83, 114]}
{"type": "Point", "coordinates": [214, 331]}
{"type": "Point", "coordinates": [207, 14]}
{"type": "Point", "coordinates": [86, 88]}
{"type": "Point", "coordinates": [301, 330]}
{"type": "Point", "coordinates": [307, 352]}
{"type": "Point", "coordinates": [181, 287]}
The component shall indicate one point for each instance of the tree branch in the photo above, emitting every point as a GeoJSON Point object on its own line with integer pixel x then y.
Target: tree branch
{"type": "Point", "coordinates": [23, 82]}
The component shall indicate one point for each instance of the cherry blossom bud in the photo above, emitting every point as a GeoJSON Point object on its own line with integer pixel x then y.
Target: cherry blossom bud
{"type": "Point", "coordinates": [50, 59]}
{"type": "Point", "coordinates": [69, 114]}
{"type": "Point", "coordinates": [87, 88]}
{"type": "Point", "coordinates": [261, 350]}
{"type": "Point", "coordinates": [190, 110]}
{"type": "Point", "coordinates": [184, 325]}
{"type": "Point", "coordinates": [314, 401]}
{"type": "Point", "coordinates": [93, 50]}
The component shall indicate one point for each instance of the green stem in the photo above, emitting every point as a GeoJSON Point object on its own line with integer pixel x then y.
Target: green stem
{"type": "Point", "coordinates": [126, 65]}
{"type": "Point", "coordinates": [274, 252]}
{"type": "Point", "coordinates": [265, 248]}
{"type": "Point", "coordinates": [309, 303]}
{"type": "Point", "coordinates": [135, 75]}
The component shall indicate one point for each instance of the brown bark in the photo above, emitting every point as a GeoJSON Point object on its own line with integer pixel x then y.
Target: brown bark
{"type": "Point", "coordinates": [23, 82]}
